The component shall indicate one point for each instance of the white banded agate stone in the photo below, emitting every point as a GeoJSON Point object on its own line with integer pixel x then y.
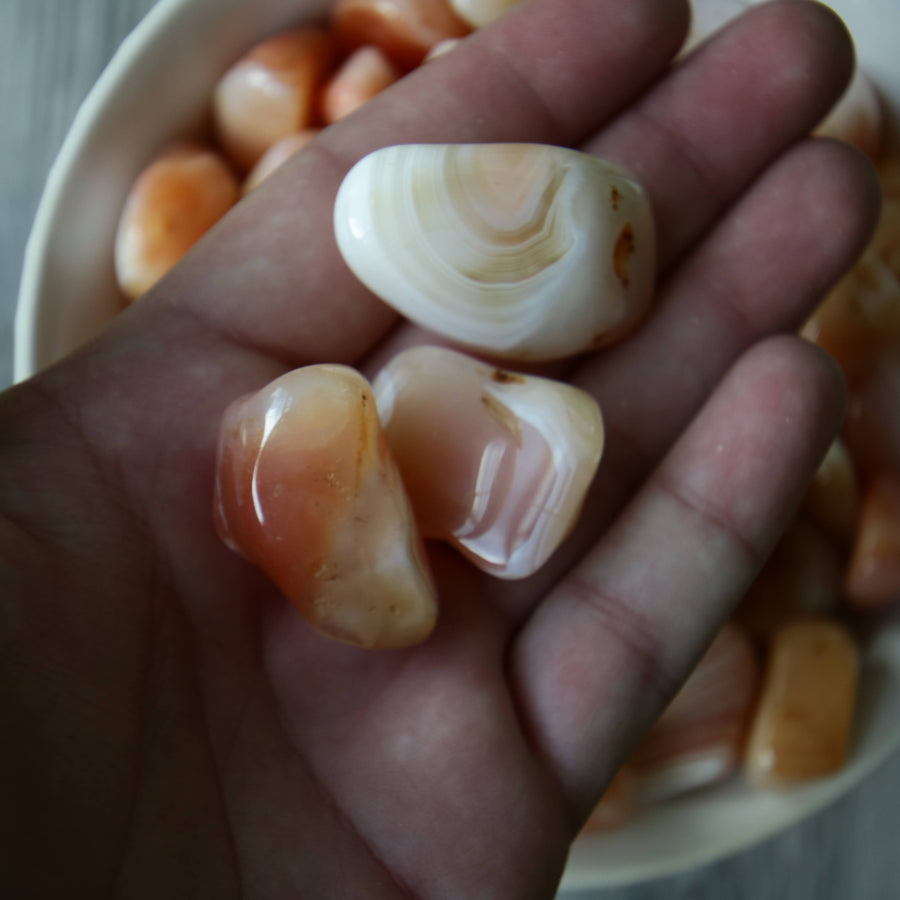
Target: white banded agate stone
{"type": "Point", "coordinates": [307, 490]}
{"type": "Point", "coordinates": [523, 251]}
{"type": "Point", "coordinates": [495, 463]}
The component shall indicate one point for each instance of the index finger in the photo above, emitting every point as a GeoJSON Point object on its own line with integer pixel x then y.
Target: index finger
{"type": "Point", "coordinates": [270, 275]}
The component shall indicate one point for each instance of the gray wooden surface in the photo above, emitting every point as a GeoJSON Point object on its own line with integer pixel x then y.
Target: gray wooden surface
{"type": "Point", "coordinates": [51, 51]}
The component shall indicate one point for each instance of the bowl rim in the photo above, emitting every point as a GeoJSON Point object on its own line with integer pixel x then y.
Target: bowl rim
{"type": "Point", "coordinates": [25, 327]}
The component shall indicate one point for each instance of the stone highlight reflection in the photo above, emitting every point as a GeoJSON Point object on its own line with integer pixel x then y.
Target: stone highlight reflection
{"type": "Point", "coordinates": [307, 490]}
{"type": "Point", "coordinates": [496, 463]}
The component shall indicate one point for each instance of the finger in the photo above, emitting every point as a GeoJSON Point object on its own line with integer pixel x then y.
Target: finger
{"type": "Point", "coordinates": [607, 649]}
{"type": "Point", "coordinates": [701, 136]}
{"type": "Point", "coordinates": [761, 271]}
{"type": "Point", "coordinates": [269, 277]}
{"type": "Point", "coordinates": [270, 274]}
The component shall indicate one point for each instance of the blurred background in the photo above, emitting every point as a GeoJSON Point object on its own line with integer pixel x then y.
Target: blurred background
{"type": "Point", "coordinates": [51, 52]}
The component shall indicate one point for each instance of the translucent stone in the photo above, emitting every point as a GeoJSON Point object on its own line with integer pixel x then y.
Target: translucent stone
{"type": "Point", "coordinates": [495, 463]}
{"type": "Point", "coordinates": [171, 205]}
{"type": "Point", "coordinates": [307, 490]}
{"type": "Point", "coordinates": [873, 576]}
{"type": "Point", "coordinates": [364, 74]}
{"type": "Point", "coordinates": [404, 29]}
{"type": "Point", "coordinates": [276, 156]}
{"type": "Point", "coordinates": [523, 251]}
{"type": "Point", "coordinates": [832, 498]}
{"type": "Point", "coordinates": [802, 576]}
{"type": "Point", "coordinates": [803, 723]}
{"type": "Point", "coordinates": [699, 739]}
{"type": "Point", "coordinates": [479, 13]}
{"type": "Point", "coordinates": [270, 92]}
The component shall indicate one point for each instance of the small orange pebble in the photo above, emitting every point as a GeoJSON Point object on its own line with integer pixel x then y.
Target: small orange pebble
{"type": "Point", "coordinates": [699, 739]}
{"type": "Point", "coordinates": [405, 30]}
{"type": "Point", "coordinates": [172, 204]}
{"type": "Point", "coordinates": [802, 726]}
{"type": "Point", "coordinates": [478, 13]}
{"type": "Point", "coordinates": [857, 117]}
{"type": "Point", "coordinates": [832, 498]}
{"type": "Point", "coordinates": [873, 576]}
{"type": "Point", "coordinates": [617, 804]}
{"type": "Point", "coordinates": [365, 73]}
{"type": "Point", "coordinates": [802, 576]}
{"type": "Point", "coordinates": [270, 92]}
{"type": "Point", "coordinates": [278, 154]}
{"type": "Point", "coordinates": [307, 490]}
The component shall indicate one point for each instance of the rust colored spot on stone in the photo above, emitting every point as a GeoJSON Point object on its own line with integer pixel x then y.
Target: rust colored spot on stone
{"type": "Point", "coordinates": [614, 196]}
{"type": "Point", "coordinates": [622, 252]}
{"type": "Point", "coordinates": [504, 377]}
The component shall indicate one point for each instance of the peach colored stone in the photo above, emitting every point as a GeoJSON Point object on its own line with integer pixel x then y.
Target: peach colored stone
{"type": "Point", "coordinates": [171, 205]}
{"type": "Point", "coordinates": [495, 463]}
{"type": "Point", "coordinates": [307, 490]}
{"type": "Point", "coordinates": [803, 722]}
{"type": "Point", "coordinates": [270, 92]}
{"type": "Point", "coordinates": [404, 29]}
{"type": "Point", "coordinates": [366, 73]}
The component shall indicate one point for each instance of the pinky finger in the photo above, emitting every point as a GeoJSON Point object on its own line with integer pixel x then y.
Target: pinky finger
{"type": "Point", "coordinates": [609, 646]}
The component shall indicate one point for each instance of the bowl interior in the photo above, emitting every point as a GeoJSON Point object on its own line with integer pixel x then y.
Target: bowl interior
{"type": "Point", "coordinates": [146, 97]}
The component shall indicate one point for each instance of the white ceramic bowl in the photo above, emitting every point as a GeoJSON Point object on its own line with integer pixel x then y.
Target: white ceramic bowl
{"type": "Point", "coordinates": [147, 96]}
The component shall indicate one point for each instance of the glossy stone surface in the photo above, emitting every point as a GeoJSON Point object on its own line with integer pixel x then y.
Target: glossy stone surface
{"type": "Point", "coordinates": [365, 73]}
{"type": "Point", "coordinates": [404, 29]}
{"type": "Point", "coordinates": [802, 726]}
{"type": "Point", "coordinates": [270, 92]}
{"type": "Point", "coordinates": [495, 463]}
{"type": "Point", "coordinates": [307, 490]}
{"type": "Point", "coordinates": [479, 13]}
{"type": "Point", "coordinates": [171, 205]}
{"type": "Point", "coordinates": [523, 251]}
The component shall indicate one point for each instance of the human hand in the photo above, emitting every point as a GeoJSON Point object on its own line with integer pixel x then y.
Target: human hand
{"type": "Point", "coordinates": [173, 727]}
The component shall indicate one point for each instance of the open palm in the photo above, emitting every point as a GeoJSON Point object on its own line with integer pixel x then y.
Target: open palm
{"type": "Point", "coordinates": [172, 726]}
